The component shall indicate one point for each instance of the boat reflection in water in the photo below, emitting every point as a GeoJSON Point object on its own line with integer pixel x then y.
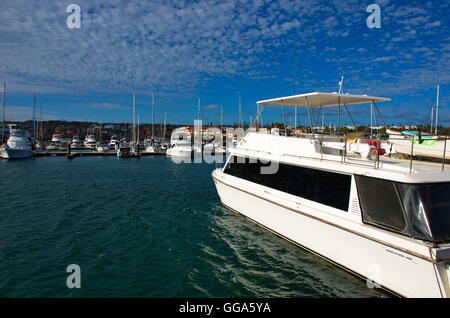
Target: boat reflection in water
{"type": "Point", "coordinates": [249, 261]}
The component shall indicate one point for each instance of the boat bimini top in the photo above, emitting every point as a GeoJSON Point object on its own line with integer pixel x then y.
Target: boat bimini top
{"type": "Point", "coordinates": [318, 99]}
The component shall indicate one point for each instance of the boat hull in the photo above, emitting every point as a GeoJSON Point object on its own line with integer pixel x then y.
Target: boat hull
{"type": "Point", "coordinates": [401, 273]}
{"type": "Point", "coordinates": [16, 153]}
{"type": "Point", "coordinates": [179, 152]}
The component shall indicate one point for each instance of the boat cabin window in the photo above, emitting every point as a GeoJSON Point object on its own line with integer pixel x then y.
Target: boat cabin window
{"type": "Point", "coordinates": [324, 187]}
{"type": "Point", "coordinates": [421, 211]}
{"type": "Point", "coordinates": [380, 203]}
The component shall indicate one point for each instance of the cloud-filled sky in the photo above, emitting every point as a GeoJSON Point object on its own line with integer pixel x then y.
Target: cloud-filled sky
{"type": "Point", "coordinates": [214, 50]}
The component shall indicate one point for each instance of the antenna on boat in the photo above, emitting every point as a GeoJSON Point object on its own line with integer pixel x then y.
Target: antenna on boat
{"type": "Point", "coordinates": [341, 84]}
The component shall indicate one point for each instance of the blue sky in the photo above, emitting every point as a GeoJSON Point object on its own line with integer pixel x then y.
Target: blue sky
{"type": "Point", "coordinates": [209, 49]}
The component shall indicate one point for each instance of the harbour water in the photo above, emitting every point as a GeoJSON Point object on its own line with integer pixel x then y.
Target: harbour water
{"type": "Point", "coordinates": [144, 228]}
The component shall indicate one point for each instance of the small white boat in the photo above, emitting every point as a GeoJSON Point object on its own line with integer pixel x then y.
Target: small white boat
{"type": "Point", "coordinates": [102, 147]}
{"type": "Point", "coordinates": [19, 145]}
{"type": "Point", "coordinates": [425, 146]}
{"type": "Point", "coordinates": [90, 142]}
{"type": "Point", "coordinates": [113, 142]}
{"type": "Point", "coordinates": [180, 143]}
{"type": "Point", "coordinates": [76, 143]}
{"type": "Point", "coordinates": [55, 143]}
{"type": "Point", "coordinates": [125, 151]}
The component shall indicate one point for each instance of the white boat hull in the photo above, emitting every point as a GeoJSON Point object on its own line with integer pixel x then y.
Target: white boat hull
{"type": "Point", "coordinates": [402, 273]}
{"type": "Point", "coordinates": [16, 153]}
{"type": "Point", "coordinates": [179, 152]}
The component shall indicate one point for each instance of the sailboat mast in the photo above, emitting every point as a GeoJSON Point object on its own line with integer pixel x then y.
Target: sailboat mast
{"type": "Point", "coordinates": [437, 111]}
{"type": "Point", "coordinates": [153, 116]}
{"type": "Point", "coordinates": [295, 118]}
{"type": "Point", "coordinates": [221, 118]}
{"type": "Point", "coordinates": [240, 111]}
{"type": "Point", "coordinates": [134, 120]}
{"type": "Point", "coordinates": [34, 116]}
{"type": "Point", "coordinates": [40, 132]}
{"type": "Point", "coordinates": [3, 112]}
{"type": "Point", "coordinates": [198, 109]}
{"type": "Point", "coordinates": [164, 133]}
{"type": "Point", "coordinates": [432, 118]}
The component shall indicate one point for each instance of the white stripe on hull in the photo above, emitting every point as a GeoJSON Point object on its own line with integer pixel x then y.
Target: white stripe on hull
{"type": "Point", "coordinates": [362, 256]}
{"type": "Point", "coordinates": [16, 153]}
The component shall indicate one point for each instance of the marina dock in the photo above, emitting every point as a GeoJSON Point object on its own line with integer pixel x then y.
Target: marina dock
{"type": "Point", "coordinates": [85, 154]}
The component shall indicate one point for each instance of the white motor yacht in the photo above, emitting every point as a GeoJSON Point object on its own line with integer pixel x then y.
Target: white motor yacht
{"type": "Point", "coordinates": [19, 145]}
{"type": "Point", "coordinates": [90, 142]}
{"type": "Point", "coordinates": [102, 147]}
{"type": "Point", "coordinates": [386, 220]}
{"type": "Point", "coordinates": [55, 143]}
{"type": "Point", "coordinates": [180, 143]}
{"type": "Point", "coordinates": [76, 143]}
{"type": "Point", "coordinates": [113, 142]}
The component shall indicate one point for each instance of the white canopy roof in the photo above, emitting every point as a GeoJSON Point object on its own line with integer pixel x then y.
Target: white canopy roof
{"type": "Point", "coordinates": [318, 99]}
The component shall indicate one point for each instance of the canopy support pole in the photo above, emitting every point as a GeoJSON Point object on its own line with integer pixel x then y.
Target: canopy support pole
{"type": "Point", "coordinates": [339, 115]}
{"type": "Point", "coordinates": [284, 119]}
{"type": "Point", "coordinates": [309, 115]}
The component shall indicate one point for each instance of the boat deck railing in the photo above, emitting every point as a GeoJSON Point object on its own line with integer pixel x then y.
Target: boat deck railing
{"type": "Point", "coordinates": [347, 157]}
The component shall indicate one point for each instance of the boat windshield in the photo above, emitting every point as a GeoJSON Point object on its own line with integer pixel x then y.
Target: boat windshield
{"type": "Point", "coordinates": [18, 133]}
{"type": "Point", "coordinates": [420, 211]}
{"type": "Point", "coordinates": [427, 206]}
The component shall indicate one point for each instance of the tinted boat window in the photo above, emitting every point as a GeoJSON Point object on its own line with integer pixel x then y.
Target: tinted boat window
{"type": "Point", "coordinates": [324, 187]}
{"type": "Point", "coordinates": [428, 209]}
{"type": "Point", "coordinates": [380, 203]}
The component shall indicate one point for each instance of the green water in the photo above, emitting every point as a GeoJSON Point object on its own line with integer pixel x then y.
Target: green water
{"type": "Point", "coordinates": [144, 228]}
